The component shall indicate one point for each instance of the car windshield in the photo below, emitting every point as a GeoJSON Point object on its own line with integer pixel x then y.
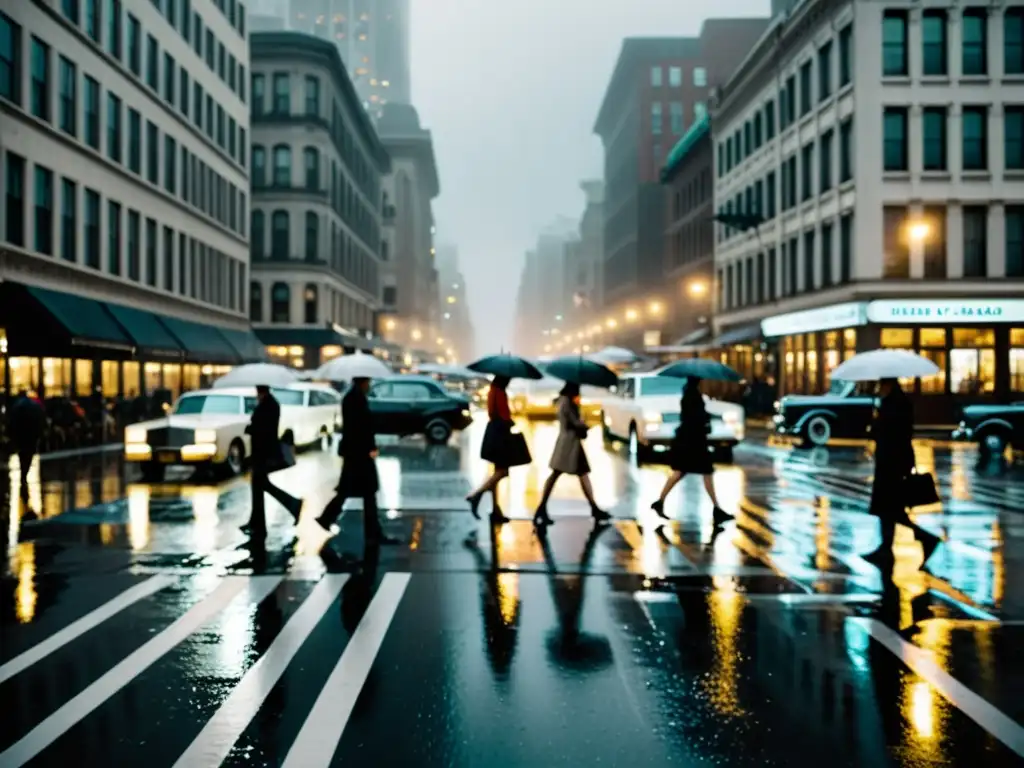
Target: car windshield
{"type": "Point", "coordinates": [212, 404]}
{"type": "Point", "coordinates": [841, 388]}
{"type": "Point", "coordinates": [658, 386]}
{"type": "Point", "coordinates": [289, 396]}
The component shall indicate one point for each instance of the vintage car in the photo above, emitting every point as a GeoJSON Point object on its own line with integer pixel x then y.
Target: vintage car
{"type": "Point", "coordinates": [538, 399]}
{"type": "Point", "coordinates": [206, 428]}
{"type": "Point", "coordinates": [844, 412]}
{"type": "Point", "coordinates": [417, 405]}
{"type": "Point", "coordinates": [993, 427]}
{"type": "Point", "coordinates": [644, 410]}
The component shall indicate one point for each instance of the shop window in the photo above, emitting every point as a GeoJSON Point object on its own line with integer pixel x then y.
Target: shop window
{"type": "Point", "coordinates": [24, 374]}
{"type": "Point", "coordinates": [131, 372]}
{"type": "Point", "coordinates": [172, 378]}
{"type": "Point", "coordinates": [900, 338]}
{"type": "Point", "coordinates": [1017, 359]}
{"type": "Point", "coordinates": [801, 358]}
{"type": "Point", "coordinates": [83, 378]}
{"type": "Point", "coordinates": [189, 377]}
{"type": "Point", "coordinates": [849, 343]}
{"type": "Point", "coordinates": [56, 377]}
{"type": "Point", "coordinates": [110, 378]}
{"type": "Point", "coordinates": [789, 358]}
{"type": "Point", "coordinates": [972, 361]}
{"type": "Point", "coordinates": [153, 378]}
{"type": "Point", "coordinates": [830, 357]}
{"type": "Point", "coordinates": [932, 343]}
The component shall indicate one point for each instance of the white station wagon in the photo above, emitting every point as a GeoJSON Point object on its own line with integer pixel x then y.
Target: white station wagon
{"type": "Point", "coordinates": [207, 428]}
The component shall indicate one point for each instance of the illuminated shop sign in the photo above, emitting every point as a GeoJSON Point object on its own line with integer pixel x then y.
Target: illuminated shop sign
{"type": "Point", "coordinates": [945, 311]}
{"type": "Point", "coordinates": [848, 315]}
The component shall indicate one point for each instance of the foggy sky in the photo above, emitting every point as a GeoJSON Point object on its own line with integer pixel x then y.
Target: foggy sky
{"type": "Point", "coordinates": [511, 89]}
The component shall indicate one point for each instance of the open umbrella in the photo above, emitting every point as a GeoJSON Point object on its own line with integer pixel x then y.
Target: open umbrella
{"type": "Point", "coordinates": [701, 368]}
{"type": "Point", "coordinates": [448, 371]}
{"type": "Point", "coordinates": [884, 364]}
{"type": "Point", "coordinates": [257, 375]}
{"type": "Point", "coordinates": [580, 370]}
{"type": "Point", "coordinates": [509, 366]}
{"type": "Point", "coordinates": [615, 356]}
{"type": "Point", "coordinates": [355, 366]}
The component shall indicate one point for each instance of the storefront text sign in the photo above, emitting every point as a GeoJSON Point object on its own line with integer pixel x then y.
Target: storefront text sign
{"type": "Point", "coordinates": [946, 311]}
{"type": "Point", "coordinates": [848, 315]}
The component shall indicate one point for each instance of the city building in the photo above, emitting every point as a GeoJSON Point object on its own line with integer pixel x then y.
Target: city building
{"type": "Point", "coordinates": [544, 297]}
{"type": "Point", "coordinates": [874, 175]}
{"type": "Point", "coordinates": [411, 309]}
{"type": "Point", "coordinates": [372, 37]}
{"type": "Point", "coordinates": [316, 231]}
{"type": "Point", "coordinates": [658, 89]}
{"type": "Point", "coordinates": [456, 326]}
{"type": "Point", "coordinates": [585, 260]}
{"type": "Point", "coordinates": [124, 263]}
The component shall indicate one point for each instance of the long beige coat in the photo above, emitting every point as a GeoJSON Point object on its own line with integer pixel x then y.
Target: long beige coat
{"type": "Point", "coordinates": [569, 456]}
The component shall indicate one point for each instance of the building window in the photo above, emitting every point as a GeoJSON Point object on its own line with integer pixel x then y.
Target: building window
{"type": "Point", "coordinates": [255, 302]}
{"type": "Point", "coordinates": [152, 153]}
{"type": "Point", "coordinates": [114, 138]}
{"type": "Point", "coordinates": [846, 151]}
{"type": "Point", "coordinates": [311, 161]}
{"type": "Point", "coordinates": [258, 94]}
{"type": "Point", "coordinates": [40, 90]}
{"type": "Point", "coordinates": [68, 220]}
{"type": "Point", "coordinates": [1015, 241]}
{"type": "Point", "coordinates": [134, 45]}
{"type": "Point", "coordinates": [700, 77]}
{"type": "Point", "coordinates": [113, 237]}
{"type": "Point", "coordinates": [1017, 359]}
{"type": "Point", "coordinates": [92, 229]}
{"type": "Point", "coordinates": [280, 303]}
{"type": "Point", "coordinates": [935, 43]}
{"type": "Point", "coordinates": [282, 94]}
{"type": "Point", "coordinates": [675, 77]}
{"type": "Point", "coordinates": [807, 173]}
{"type": "Point", "coordinates": [309, 298]}
{"type": "Point", "coordinates": [259, 166]}
{"type": "Point", "coordinates": [656, 118]}
{"type": "Point", "coordinates": [845, 55]}
{"type": "Point", "coordinates": [1013, 41]}
{"type": "Point", "coordinates": [14, 199]}
{"type": "Point", "coordinates": [932, 344]}
{"type": "Point", "coordinates": [935, 141]}
{"type": "Point", "coordinates": [769, 195]}
{"type": "Point", "coordinates": [10, 60]}
{"type": "Point", "coordinates": [282, 165]}
{"type": "Point", "coordinates": [134, 141]}
{"type": "Point", "coordinates": [91, 123]}
{"type": "Point", "coordinates": [656, 77]}
{"type": "Point", "coordinates": [312, 96]}
{"type": "Point", "coordinates": [71, 11]}
{"type": "Point", "coordinates": [895, 138]}
{"type": "Point", "coordinates": [825, 160]}
{"type": "Point", "coordinates": [280, 235]}
{"type": "Point", "coordinates": [975, 138]}
{"type": "Point", "coordinates": [972, 361]}
{"type": "Point", "coordinates": [312, 236]}
{"type": "Point", "coordinates": [825, 71]}
{"type": "Point", "coordinates": [675, 114]}
{"type": "Point", "coordinates": [170, 165]}
{"type": "Point", "coordinates": [169, 259]}
{"type": "Point", "coordinates": [846, 248]}
{"type": "Point", "coordinates": [134, 261]}
{"type": "Point", "coordinates": [806, 97]}
{"type": "Point", "coordinates": [935, 244]}
{"type": "Point", "coordinates": [169, 74]}
{"type": "Point", "coordinates": [826, 255]}
{"type": "Point", "coordinates": [114, 28]}
{"type": "Point", "coordinates": [92, 19]}
{"type": "Point", "coordinates": [67, 116]}
{"type": "Point", "coordinates": [896, 253]}
{"type": "Point", "coordinates": [151, 253]}
{"type": "Point", "coordinates": [257, 227]}
{"type": "Point", "coordinates": [809, 261]}
{"type": "Point", "coordinates": [894, 43]}
{"type": "Point", "coordinates": [43, 213]}
{"type": "Point", "coordinates": [974, 48]}
{"type": "Point", "coordinates": [772, 272]}
{"type": "Point", "coordinates": [975, 225]}
{"type": "Point", "coordinates": [1013, 141]}
{"type": "Point", "coordinates": [152, 63]}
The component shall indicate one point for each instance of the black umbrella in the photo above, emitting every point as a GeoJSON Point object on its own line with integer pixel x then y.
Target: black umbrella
{"type": "Point", "coordinates": [701, 368]}
{"type": "Point", "coordinates": [579, 370]}
{"type": "Point", "coordinates": [509, 366]}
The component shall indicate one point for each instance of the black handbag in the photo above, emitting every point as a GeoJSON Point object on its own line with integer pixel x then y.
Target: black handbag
{"type": "Point", "coordinates": [285, 459]}
{"type": "Point", "coordinates": [919, 490]}
{"type": "Point", "coordinates": [518, 450]}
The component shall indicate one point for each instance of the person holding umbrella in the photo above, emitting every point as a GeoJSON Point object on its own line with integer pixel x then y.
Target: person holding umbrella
{"type": "Point", "coordinates": [569, 457]}
{"type": "Point", "coordinates": [499, 447]}
{"type": "Point", "coordinates": [690, 453]}
{"type": "Point", "coordinates": [267, 456]}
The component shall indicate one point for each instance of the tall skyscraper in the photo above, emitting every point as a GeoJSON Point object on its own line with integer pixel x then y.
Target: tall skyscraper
{"type": "Point", "coordinates": [372, 37]}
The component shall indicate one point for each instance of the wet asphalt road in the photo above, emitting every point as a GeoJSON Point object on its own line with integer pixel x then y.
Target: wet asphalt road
{"type": "Point", "coordinates": [139, 627]}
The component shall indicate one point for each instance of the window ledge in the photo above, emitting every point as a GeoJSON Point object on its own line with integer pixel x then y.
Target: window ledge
{"type": "Point", "coordinates": [936, 79]}
{"type": "Point", "coordinates": [975, 79]}
{"type": "Point", "coordinates": [936, 175]}
{"type": "Point", "coordinates": [1013, 78]}
{"type": "Point", "coordinates": [903, 175]}
{"type": "Point", "coordinates": [1014, 173]}
{"type": "Point", "coordinates": [972, 175]}
{"type": "Point", "coordinates": [896, 80]}
{"type": "Point", "coordinates": [846, 186]}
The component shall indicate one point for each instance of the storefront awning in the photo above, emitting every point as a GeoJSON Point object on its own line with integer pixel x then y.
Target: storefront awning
{"type": "Point", "coordinates": [86, 321]}
{"type": "Point", "coordinates": [202, 343]}
{"type": "Point", "coordinates": [738, 335]}
{"type": "Point", "coordinates": [246, 344]}
{"type": "Point", "coordinates": [694, 337]}
{"type": "Point", "coordinates": [307, 337]}
{"type": "Point", "coordinates": [151, 337]}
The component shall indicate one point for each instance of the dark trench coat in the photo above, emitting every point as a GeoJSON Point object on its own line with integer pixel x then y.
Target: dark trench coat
{"type": "Point", "coordinates": [358, 469]}
{"type": "Point", "coordinates": [893, 433]}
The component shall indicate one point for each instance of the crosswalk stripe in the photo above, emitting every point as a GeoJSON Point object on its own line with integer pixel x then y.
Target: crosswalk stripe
{"type": "Point", "coordinates": [220, 733]}
{"type": "Point", "coordinates": [79, 627]}
{"type": "Point", "coordinates": [73, 711]}
{"type": "Point", "coordinates": [318, 739]}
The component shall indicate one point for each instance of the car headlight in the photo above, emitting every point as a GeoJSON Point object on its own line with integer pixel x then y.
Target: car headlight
{"type": "Point", "coordinates": [778, 406]}
{"type": "Point", "coordinates": [652, 417]}
{"type": "Point", "coordinates": [731, 419]}
{"type": "Point", "coordinates": [465, 412]}
{"type": "Point", "coordinates": [206, 436]}
{"type": "Point", "coordinates": [135, 435]}
{"type": "Point", "coordinates": [962, 425]}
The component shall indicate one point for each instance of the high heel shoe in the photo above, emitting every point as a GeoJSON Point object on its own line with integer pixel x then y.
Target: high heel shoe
{"type": "Point", "coordinates": [659, 509]}
{"type": "Point", "coordinates": [498, 517]}
{"type": "Point", "coordinates": [600, 515]}
{"type": "Point", "coordinates": [720, 516]}
{"type": "Point", "coordinates": [541, 518]}
{"type": "Point", "coordinates": [474, 504]}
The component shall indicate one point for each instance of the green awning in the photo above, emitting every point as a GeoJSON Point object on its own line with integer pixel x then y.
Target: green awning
{"type": "Point", "coordinates": [87, 322]}
{"type": "Point", "coordinates": [249, 347]}
{"type": "Point", "coordinates": [151, 337]}
{"type": "Point", "coordinates": [202, 343]}
{"type": "Point", "coordinates": [307, 337]}
{"type": "Point", "coordinates": [682, 148]}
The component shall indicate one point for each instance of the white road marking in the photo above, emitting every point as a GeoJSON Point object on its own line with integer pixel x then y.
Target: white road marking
{"type": "Point", "coordinates": [318, 739]}
{"type": "Point", "coordinates": [212, 746]}
{"type": "Point", "coordinates": [79, 627]}
{"type": "Point", "coordinates": [73, 711]}
{"type": "Point", "coordinates": [816, 598]}
{"type": "Point", "coordinates": [1007, 730]}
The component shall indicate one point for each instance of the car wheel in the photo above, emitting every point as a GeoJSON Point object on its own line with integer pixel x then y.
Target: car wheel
{"type": "Point", "coordinates": [438, 432]}
{"type": "Point", "coordinates": [993, 444]}
{"type": "Point", "coordinates": [235, 462]}
{"type": "Point", "coordinates": [818, 431]}
{"type": "Point", "coordinates": [153, 472]}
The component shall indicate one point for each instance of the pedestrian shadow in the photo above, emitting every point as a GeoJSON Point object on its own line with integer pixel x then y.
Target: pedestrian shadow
{"type": "Point", "coordinates": [499, 605]}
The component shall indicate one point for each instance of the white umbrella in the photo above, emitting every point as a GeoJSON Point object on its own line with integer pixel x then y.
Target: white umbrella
{"type": "Point", "coordinates": [615, 356]}
{"type": "Point", "coordinates": [885, 364]}
{"type": "Point", "coordinates": [257, 375]}
{"type": "Point", "coordinates": [355, 366]}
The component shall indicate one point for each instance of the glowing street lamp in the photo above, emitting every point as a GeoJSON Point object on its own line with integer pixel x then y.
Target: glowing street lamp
{"type": "Point", "coordinates": [918, 231]}
{"type": "Point", "coordinates": [698, 289]}
{"type": "Point", "coordinates": [610, 322]}
{"type": "Point", "coordinates": [631, 315]}
{"type": "Point", "coordinates": [654, 308]}
{"type": "Point", "coordinates": [390, 325]}
{"type": "Point", "coordinates": [416, 334]}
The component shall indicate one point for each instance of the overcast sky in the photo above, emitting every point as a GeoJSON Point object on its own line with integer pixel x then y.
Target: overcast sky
{"type": "Point", "coordinates": [510, 89]}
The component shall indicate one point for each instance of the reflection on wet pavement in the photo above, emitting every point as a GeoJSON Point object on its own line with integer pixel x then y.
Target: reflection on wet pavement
{"type": "Point", "coordinates": [631, 644]}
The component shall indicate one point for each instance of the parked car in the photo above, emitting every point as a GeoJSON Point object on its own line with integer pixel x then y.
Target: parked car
{"type": "Point", "coordinates": [206, 428]}
{"type": "Point", "coordinates": [417, 405]}
{"type": "Point", "coordinates": [844, 412]}
{"type": "Point", "coordinates": [993, 427]}
{"type": "Point", "coordinates": [538, 398]}
{"type": "Point", "coordinates": [644, 410]}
